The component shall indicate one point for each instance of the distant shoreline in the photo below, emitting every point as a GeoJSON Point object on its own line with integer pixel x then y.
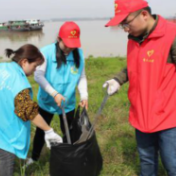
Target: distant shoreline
{"type": "Point", "coordinates": [75, 19]}
{"type": "Point", "coordinates": [173, 18]}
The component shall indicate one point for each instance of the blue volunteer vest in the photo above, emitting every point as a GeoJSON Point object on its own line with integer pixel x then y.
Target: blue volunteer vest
{"type": "Point", "coordinates": [14, 132]}
{"type": "Point", "coordinates": [64, 80]}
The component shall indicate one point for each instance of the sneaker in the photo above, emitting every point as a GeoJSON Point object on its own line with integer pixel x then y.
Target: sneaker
{"type": "Point", "coordinates": [29, 161]}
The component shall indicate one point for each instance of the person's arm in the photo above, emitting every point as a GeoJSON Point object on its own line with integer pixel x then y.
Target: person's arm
{"type": "Point", "coordinates": [26, 109]}
{"type": "Point", "coordinates": [39, 76]}
{"type": "Point", "coordinates": [122, 77]}
{"type": "Point", "coordinates": [50, 135]}
{"type": "Point", "coordinates": [173, 52]}
{"type": "Point", "coordinates": [82, 88]}
{"type": "Point", "coordinates": [40, 123]}
{"type": "Point", "coordinates": [113, 85]}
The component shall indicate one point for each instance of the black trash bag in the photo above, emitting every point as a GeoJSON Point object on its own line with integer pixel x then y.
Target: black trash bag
{"type": "Point", "coordinates": [82, 159]}
{"type": "Point", "coordinates": [81, 119]}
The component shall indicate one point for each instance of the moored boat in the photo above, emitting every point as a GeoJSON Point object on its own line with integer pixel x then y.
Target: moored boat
{"type": "Point", "coordinates": [35, 24]}
{"type": "Point", "coordinates": [3, 27]}
{"type": "Point", "coordinates": [22, 25]}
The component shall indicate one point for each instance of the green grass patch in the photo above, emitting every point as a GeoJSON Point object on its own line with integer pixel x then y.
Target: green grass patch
{"type": "Point", "coordinates": [115, 135]}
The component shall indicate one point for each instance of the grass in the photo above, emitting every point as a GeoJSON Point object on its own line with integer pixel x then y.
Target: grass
{"type": "Point", "coordinates": [115, 136]}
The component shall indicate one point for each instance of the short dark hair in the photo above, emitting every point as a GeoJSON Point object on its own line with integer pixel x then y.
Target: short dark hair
{"type": "Point", "coordinates": [28, 51]}
{"type": "Point", "coordinates": [148, 9]}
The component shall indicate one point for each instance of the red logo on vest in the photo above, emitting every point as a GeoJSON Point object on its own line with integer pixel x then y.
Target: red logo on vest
{"type": "Point", "coordinates": [149, 54]}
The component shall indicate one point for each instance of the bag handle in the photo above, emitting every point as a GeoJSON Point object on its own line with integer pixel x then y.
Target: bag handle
{"type": "Point", "coordinates": [97, 115]}
{"type": "Point", "coordinates": [66, 124]}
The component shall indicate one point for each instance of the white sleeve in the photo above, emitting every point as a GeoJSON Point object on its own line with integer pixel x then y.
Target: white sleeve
{"type": "Point", "coordinates": [82, 86]}
{"type": "Point", "coordinates": [39, 76]}
{"type": "Point", "coordinates": [43, 66]}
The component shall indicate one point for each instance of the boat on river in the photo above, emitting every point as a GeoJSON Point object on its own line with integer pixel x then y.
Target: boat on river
{"type": "Point", "coordinates": [22, 25]}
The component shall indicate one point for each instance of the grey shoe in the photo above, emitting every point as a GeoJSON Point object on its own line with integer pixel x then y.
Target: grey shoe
{"type": "Point", "coordinates": [29, 161]}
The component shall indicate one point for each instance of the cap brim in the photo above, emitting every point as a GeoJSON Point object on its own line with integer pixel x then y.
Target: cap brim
{"type": "Point", "coordinates": [117, 20]}
{"type": "Point", "coordinates": [72, 43]}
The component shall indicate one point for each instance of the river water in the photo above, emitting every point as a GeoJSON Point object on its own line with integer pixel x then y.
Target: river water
{"type": "Point", "coordinates": [96, 39]}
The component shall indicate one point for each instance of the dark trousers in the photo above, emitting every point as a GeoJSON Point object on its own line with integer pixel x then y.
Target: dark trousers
{"type": "Point", "coordinates": [150, 145]}
{"type": "Point", "coordinates": [7, 161]}
{"type": "Point", "coordinates": [39, 134]}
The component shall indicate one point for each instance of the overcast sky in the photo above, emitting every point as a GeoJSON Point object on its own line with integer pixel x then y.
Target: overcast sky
{"type": "Point", "coordinates": [47, 9]}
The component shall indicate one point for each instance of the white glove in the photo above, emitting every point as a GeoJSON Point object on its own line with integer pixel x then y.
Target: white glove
{"type": "Point", "coordinates": [112, 86]}
{"type": "Point", "coordinates": [51, 136]}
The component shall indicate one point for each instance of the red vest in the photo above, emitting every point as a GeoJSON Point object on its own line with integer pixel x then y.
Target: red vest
{"type": "Point", "coordinates": [152, 81]}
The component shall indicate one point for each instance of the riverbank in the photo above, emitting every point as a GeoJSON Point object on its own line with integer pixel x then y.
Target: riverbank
{"type": "Point", "coordinates": [115, 136]}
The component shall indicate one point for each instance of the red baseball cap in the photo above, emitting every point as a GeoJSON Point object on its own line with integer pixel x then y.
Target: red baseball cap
{"type": "Point", "coordinates": [70, 33]}
{"type": "Point", "coordinates": [123, 8]}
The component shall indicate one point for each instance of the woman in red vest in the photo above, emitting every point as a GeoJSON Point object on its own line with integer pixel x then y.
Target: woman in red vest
{"type": "Point", "coordinates": [151, 72]}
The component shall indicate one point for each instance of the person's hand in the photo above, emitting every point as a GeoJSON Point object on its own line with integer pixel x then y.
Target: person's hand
{"type": "Point", "coordinates": [58, 99]}
{"type": "Point", "coordinates": [112, 86]}
{"type": "Point", "coordinates": [51, 136]}
{"type": "Point", "coordinates": [84, 103]}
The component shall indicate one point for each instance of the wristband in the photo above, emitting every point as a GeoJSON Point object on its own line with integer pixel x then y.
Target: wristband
{"type": "Point", "coordinates": [55, 95]}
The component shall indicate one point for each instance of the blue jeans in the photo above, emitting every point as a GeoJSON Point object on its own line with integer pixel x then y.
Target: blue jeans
{"type": "Point", "coordinates": [150, 145]}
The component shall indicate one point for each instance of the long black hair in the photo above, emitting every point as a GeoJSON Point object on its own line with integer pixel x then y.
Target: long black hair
{"type": "Point", "coordinates": [61, 58]}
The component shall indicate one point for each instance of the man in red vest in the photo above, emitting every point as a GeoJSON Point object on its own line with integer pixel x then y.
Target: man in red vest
{"type": "Point", "coordinates": [151, 72]}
